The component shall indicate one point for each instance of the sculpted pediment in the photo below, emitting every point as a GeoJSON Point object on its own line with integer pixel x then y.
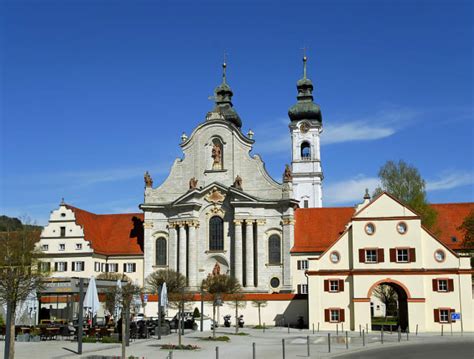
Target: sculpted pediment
{"type": "Point", "coordinates": [215, 196]}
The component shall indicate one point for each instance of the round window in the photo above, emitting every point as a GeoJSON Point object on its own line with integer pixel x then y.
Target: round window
{"type": "Point", "coordinates": [275, 282]}
{"type": "Point", "coordinates": [439, 255]}
{"type": "Point", "coordinates": [402, 227]}
{"type": "Point", "coordinates": [335, 257]}
{"type": "Point", "coordinates": [370, 228]}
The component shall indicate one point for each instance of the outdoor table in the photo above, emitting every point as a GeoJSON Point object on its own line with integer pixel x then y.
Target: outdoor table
{"type": "Point", "coordinates": [25, 330]}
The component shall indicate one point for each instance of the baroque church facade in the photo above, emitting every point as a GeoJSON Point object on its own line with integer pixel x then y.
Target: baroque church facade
{"type": "Point", "coordinates": [220, 205]}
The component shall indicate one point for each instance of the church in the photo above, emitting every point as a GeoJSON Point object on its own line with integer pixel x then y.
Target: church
{"type": "Point", "coordinates": [219, 206]}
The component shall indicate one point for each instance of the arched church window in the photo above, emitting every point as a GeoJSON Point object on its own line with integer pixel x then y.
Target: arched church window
{"type": "Point", "coordinates": [305, 151]}
{"type": "Point", "coordinates": [216, 234]}
{"type": "Point", "coordinates": [161, 251]}
{"type": "Point", "coordinates": [217, 154]}
{"type": "Point", "coordinates": [274, 249]}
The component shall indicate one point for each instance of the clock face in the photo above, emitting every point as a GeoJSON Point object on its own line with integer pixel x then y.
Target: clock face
{"type": "Point", "coordinates": [304, 127]}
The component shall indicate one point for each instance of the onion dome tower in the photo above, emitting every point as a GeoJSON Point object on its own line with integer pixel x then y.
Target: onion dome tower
{"type": "Point", "coordinates": [305, 128]}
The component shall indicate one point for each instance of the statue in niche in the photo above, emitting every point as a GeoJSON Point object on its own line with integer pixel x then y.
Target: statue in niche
{"type": "Point", "coordinates": [148, 180]}
{"type": "Point", "coordinates": [287, 175]}
{"type": "Point", "coordinates": [216, 270]}
{"type": "Point", "coordinates": [217, 157]}
{"type": "Point", "coordinates": [238, 182]}
{"type": "Point", "coordinates": [193, 182]}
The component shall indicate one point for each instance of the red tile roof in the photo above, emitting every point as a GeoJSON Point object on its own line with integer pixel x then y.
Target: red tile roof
{"type": "Point", "coordinates": [450, 217]}
{"type": "Point", "coordinates": [112, 234]}
{"type": "Point", "coordinates": [317, 228]}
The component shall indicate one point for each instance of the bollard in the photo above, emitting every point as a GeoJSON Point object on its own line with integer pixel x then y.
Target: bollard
{"type": "Point", "coordinates": [366, 328]}
{"type": "Point", "coordinates": [318, 327]}
{"type": "Point", "coordinates": [442, 329]}
{"type": "Point", "coordinates": [170, 356]}
{"type": "Point", "coordinates": [407, 333]}
{"type": "Point", "coordinates": [360, 330]}
{"type": "Point", "coordinates": [363, 338]}
{"type": "Point", "coordinates": [347, 340]}
{"type": "Point", "coordinates": [217, 352]}
{"type": "Point", "coordinates": [390, 328]}
{"type": "Point", "coordinates": [254, 356]}
{"type": "Point", "coordinates": [264, 327]}
{"type": "Point", "coordinates": [381, 335]}
{"type": "Point", "coordinates": [329, 342]}
{"type": "Point", "coordinates": [399, 333]}
{"type": "Point", "coordinates": [283, 347]}
{"type": "Point", "coordinates": [416, 333]}
{"type": "Point", "coordinates": [288, 327]}
{"type": "Point", "coordinates": [313, 328]}
{"type": "Point", "coordinates": [342, 327]}
{"type": "Point", "coordinates": [451, 325]}
{"type": "Point", "coordinates": [337, 330]}
{"type": "Point", "coordinates": [307, 345]}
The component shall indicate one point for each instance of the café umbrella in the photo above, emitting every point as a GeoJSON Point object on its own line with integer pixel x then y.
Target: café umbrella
{"type": "Point", "coordinates": [164, 296]}
{"type": "Point", "coordinates": [91, 301]}
{"type": "Point", "coordinates": [118, 294]}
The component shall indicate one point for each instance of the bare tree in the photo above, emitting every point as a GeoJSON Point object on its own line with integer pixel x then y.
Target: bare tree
{"type": "Point", "coordinates": [259, 304]}
{"type": "Point", "coordinates": [20, 274]}
{"type": "Point", "coordinates": [218, 286]}
{"type": "Point", "coordinates": [236, 301]}
{"type": "Point", "coordinates": [387, 295]}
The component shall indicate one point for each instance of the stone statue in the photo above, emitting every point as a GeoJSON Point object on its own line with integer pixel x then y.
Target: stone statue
{"type": "Point", "coordinates": [216, 270]}
{"type": "Point", "coordinates": [238, 182]}
{"type": "Point", "coordinates": [217, 156]}
{"type": "Point", "coordinates": [287, 175]}
{"type": "Point", "coordinates": [148, 180]}
{"type": "Point", "coordinates": [193, 183]}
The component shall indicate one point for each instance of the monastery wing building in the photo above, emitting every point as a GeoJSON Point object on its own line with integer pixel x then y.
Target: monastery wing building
{"type": "Point", "coordinates": [219, 207]}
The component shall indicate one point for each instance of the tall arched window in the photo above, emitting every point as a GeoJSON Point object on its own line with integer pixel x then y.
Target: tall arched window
{"type": "Point", "coordinates": [274, 249]}
{"type": "Point", "coordinates": [160, 251]}
{"type": "Point", "coordinates": [305, 151]}
{"type": "Point", "coordinates": [216, 234]}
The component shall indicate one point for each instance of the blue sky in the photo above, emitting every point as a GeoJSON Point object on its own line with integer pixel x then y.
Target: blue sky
{"type": "Point", "coordinates": [93, 93]}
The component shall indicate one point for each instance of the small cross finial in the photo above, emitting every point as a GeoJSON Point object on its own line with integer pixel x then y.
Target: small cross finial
{"type": "Point", "coordinates": [62, 201]}
{"type": "Point", "coordinates": [305, 59]}
{"type": "Point", "coordinates": [224, 65]}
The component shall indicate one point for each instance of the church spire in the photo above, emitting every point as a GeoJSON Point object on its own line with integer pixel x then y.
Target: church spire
{"type": "Point", "coordinates": [223, 99]}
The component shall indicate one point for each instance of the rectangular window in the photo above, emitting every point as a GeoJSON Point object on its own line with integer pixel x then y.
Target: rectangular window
{"type": "Point", "coordinates": [444, 315]}
{"type": "Point", "coordinates": [104, 267]}
{"type": "Point", "coordinates": [334, 316]}
{"type": "Point", "coordinates": [78, 266]}
{"type": "Point", "coordinates": [44, 247]}
{"type": "Point", "coordinates": [63, 231]}
{"type": "Point", "coordinates": [97, 266]}
{"type": "Point", "coordinates": [45, 266]}
{"type": "Point", "coordinates": [129, 267]}
{"type": "Point", "coordinates": [302, 289]}
{"type": "Point", "coordinates": [306, 203]}
{"type": "Point", "coordinates": [113, 267]}
{"type": "Point", "coordinates": [78, 246]}
{"type": "Point", "coordinates": [60, 266]}
{"type": "Point", "coordinates": [62, 247]}
{"type": "Point", "coordinates": [334, 285]}
{"type": "Point", "coordinates": [402, 255]}
{"type": "Point", "coordinates": [302, 264]}
{"type": "Point", "coordinates": [442, 285]}
{"type": "Point", "coordinates": [370, 256]}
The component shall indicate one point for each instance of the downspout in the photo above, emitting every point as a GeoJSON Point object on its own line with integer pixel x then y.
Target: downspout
{"type": "Point", "coordinates": [459, 294]}
{"type": "Point", "coordinates": [307, 298]}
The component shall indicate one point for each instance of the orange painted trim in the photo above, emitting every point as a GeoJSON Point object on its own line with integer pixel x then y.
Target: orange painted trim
{"type": "Point", "coordinates": [416, 300]}
{"type": "Point", "coordinates": [391, 272]}
{"type": "Point", "coordinates": [361, 300]}
{"type": "Point", "coordinates": [388, 280]}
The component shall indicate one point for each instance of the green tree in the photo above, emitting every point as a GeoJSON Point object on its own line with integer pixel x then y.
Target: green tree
{"type": "Point", "coordinates": [218, 287]}
{"type": "Point", "coordinates": [259, 304]}
{"type": "Point", "coordinates": [20, 274]}
{"type": "Point", "coordinates": [404, 182]}
{"type": "Point", "coordinates": [388, 296]}
{"type": "Point", "coordinates": [467, 227]}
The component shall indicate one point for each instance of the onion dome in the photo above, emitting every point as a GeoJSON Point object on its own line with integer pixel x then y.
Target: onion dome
{"type": "Point", "coordinates": [223, 96]}
{"type": "Point", "coordinates": [305, 108]}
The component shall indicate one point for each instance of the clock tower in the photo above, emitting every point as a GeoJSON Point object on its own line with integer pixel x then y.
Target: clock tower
{"type": "Point", "coordinates": [306, 127]}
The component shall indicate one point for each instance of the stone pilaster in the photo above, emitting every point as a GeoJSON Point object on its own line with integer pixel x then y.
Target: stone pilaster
{"type": "Point", "coordinates": [193, 255]}
{"type": "Point", "coordinates": [238, 271]}
{"type": "Point", "coordinates": [182, 249]}
{"type": "Point", "coordinates": [172, 247]}
{"type": "Point", "coordinates": [261, 253]}
{"type": "Point", "coordinates": [249, 273]}
{"type": "Point", "coordinates": [288, 235]}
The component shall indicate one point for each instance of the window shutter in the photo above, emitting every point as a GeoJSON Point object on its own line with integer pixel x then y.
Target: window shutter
{"type": "Point", "coordinates": [451, 311]}
{"type": "Point", "coordinates": [125, 267]}
{"type": "Point", "coordinates": [326, 285]}
{"type": "Point", "coordinates": [299, 288]}
{"type": "Point", "coordinates": [341, 285]}
{"type": "Point", "coordinates": [435, 285]}
{"type": "Point", "coordinates": [107, 268]}
{"type": "Point", "coordinates": [83, 266]}
{"type": "Point", "coordinates": [436, 315]}
{"type": "Point", "coordinates": [299, 265]}
{"type": "Point", "coordinates": [56, 266]}
{"type": "Point", "coordinates": [326, 315]}
{"type": "Point", "coordinates": [73, 265]}
{"type": "Point", "coordinates": [341, 315]}
{"type": "Point", "coordinates": [134, 267]}
{"type": "Point", "coordinates": [393, 255]}
{"type": "Point", "coordinates": [412, 255]}
{"type": "Point", "coordinates": [380, 255]}
{"type": "Point", "coordinates": [65, 266]}
{"type": "Point", "coordinates": [450, 285]}
{"type": "Point", "coordinates": [361, 255]}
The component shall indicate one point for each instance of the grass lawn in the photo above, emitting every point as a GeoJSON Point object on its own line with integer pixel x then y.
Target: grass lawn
{"type": "Point", "coordinates": [385, 321]}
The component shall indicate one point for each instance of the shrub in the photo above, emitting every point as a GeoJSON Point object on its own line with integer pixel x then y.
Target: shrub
{"type": "Point", "coordinates": [89, 340]}
{"type": "Point", "coordinates": [223, 338]}
{"type": "Point", "coordinates": [179, 347]}
{"type": "Point", "coordinates": [196, 313]}
{"type": "Point", "coordinates": [109, 340]}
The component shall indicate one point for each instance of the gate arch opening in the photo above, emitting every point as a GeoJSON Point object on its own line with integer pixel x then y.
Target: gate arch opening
{"type": "Point", "coordinates": [394, 297]}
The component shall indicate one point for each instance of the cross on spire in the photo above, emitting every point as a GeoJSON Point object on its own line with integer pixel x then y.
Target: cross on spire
{"type": "Point", "coordinates": [305, 59]}
{"type": "Point", "coordinates": [224, 65]}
